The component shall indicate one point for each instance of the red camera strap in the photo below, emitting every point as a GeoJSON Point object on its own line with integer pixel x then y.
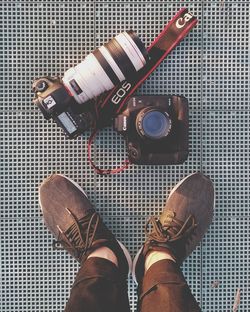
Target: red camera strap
{"type": "Point", "coordinates": [114, 102]}
{"type": "Point", "coordinates": [98, 170]}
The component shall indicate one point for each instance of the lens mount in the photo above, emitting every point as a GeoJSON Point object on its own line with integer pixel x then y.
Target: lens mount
{"type": "Point", "coordinates": [153, 123]}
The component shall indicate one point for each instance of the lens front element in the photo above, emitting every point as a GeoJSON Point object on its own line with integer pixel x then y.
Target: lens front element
{"type": "Point", "coordinates": [153, 123]}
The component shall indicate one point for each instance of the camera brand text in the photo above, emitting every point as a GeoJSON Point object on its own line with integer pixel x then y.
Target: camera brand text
{"type": "Point", "coordinates": [121, 93]}
{"type": "Point", "coordinates": [181, 22]}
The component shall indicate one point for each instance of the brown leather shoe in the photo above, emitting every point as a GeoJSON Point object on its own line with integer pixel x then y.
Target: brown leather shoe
{"type": "Point", "coordinates": [75, 224]}
{"type": "Point", "coordinates": [182, 224]}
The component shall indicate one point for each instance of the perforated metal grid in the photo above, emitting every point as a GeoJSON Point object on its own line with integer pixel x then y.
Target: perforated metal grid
{"type": "Point", "coordinates": [210, 68]}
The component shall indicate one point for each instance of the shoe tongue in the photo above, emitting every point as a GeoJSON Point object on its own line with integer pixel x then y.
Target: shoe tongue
{"type": "Point", "coordinates": [170, 224]}
{"type": "Point", "coordinates": [164, 231]}
{"type": "Point", "coordinates": [167, 218]}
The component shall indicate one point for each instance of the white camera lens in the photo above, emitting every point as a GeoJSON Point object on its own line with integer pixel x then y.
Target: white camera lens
{"type": "Point", "coordinates": [101, 70]}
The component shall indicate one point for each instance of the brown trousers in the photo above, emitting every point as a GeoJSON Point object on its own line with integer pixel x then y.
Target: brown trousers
{"type": "Point", "coordinates": [98, 288]}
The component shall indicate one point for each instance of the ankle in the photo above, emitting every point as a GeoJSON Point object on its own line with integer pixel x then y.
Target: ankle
{"type": "Point", "coordinates": [106, 253]}
{"type": "Point", "coordinates": [155, 256]}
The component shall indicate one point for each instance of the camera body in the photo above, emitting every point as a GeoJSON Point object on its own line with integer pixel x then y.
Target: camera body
{"type": "Point", "coordinates": [155, 129]}
{"type": "Point", "coordinates": [71, 100]}
{"type": "Point", "coordinates": [55, 102]}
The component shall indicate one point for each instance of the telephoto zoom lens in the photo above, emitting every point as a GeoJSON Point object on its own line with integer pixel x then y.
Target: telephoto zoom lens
{"type": "Point", "coordinates": [101, 70]}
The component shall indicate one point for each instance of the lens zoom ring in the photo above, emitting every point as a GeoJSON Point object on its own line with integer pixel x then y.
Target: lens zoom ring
{"type": "Point", "coordinates": [121, 58]}
{"type": "Point", "coordinates": [106, 67]}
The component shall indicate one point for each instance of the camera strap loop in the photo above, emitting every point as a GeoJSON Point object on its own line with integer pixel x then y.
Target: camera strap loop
{"type": "Point", "coordinates": [95, 167]}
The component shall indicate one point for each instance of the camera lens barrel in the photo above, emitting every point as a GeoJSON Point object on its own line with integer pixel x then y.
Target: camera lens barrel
{"type": "Point", "coordinates": [101, 70]}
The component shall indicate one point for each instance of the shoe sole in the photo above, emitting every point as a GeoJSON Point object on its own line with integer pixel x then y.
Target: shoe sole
{"type": "Point", "coordinates": [124, 249]}
{"type": "Point", "coordinates": [134, 265]}
{"type": "Point", "coordinates": [171, 193]}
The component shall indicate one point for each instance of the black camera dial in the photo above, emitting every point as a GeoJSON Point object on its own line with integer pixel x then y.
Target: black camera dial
{"type": "Point", "coordinates": [134, 151]}
{"type": "Point", "coordinates": [153, 123]}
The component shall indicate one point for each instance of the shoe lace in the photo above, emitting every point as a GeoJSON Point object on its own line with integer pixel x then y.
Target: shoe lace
{"type": "Point", "coordinates": [73, 238]}
{"type": "Point", "coordinates": [171, 230]}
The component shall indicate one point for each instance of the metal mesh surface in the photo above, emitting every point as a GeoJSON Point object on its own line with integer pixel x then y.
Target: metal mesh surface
{"type": "Point", "coordinates": [210, 67]}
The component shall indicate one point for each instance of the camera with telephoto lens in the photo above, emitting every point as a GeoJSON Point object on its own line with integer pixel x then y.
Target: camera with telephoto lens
{"type": "Point", "coordinates": [69, 101]}
{"type": "Point", "coordinates": [155, 129]}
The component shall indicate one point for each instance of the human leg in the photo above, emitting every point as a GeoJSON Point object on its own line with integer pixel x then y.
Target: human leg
{"type": "Point", "coordinates": [179, 229]}
{"type": "Point", "coordinates": [100, 284]}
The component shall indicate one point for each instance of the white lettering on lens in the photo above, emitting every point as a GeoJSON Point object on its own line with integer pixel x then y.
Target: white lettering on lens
{"type": "Point", "coordinates": [121, 92]}
{"type": "Point", "coordinates": [181, 22]}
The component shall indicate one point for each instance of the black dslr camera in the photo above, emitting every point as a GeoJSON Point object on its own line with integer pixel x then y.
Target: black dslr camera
{"type": "Point", "coordinates": [55, 102]}
{"type": "Point", "coordinates": [155, 129]}
{"type": "Point", "coordinates": [71, 101]}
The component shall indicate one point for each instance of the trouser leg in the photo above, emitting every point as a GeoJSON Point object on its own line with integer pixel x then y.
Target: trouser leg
{"type": "Point", "coordinates": [164, 289]}
{"type": "Point", "coordinates": [98, 288]}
